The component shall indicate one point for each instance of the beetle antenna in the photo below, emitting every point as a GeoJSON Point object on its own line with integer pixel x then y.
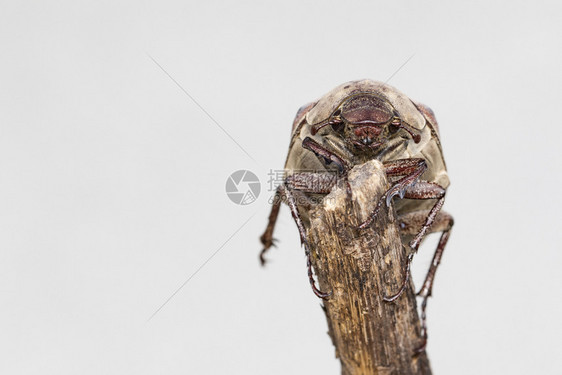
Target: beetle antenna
{"type": "Point", "coordinates": [413, 132]}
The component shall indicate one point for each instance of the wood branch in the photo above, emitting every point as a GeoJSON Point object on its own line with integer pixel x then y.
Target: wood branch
{"type": "Point", "coordinates": [359, 267]}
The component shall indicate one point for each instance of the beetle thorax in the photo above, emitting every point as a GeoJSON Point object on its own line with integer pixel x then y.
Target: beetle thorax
{"type": "Point", "coordinates": [366, 119]}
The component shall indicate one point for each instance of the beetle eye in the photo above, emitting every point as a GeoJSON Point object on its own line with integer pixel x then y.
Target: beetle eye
{"type": "Point", "coordinates": [336, 121]}
{"type": "Point", "coordinates": [338, 127]}
{"type": "Point", "coordinates": [394, 125]}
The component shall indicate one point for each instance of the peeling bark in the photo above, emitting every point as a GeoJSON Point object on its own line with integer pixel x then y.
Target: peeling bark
{"type": "Point", "coordinates": [359, 267]}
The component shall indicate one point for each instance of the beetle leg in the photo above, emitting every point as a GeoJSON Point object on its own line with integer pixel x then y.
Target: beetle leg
{"type": "Point", "coordinates": [408, 226]}
{"type": "Point", "coordinates": [291, 202]}
{"type": "Point", "coordinates": [425, 190]}
{"type": "Point", "coordinates": [411, 169]}
{"type": "Point", "coordinates": [315, 289]}
{"type": "Point", "coordinates": [329, 156]}
{"type": "Point", "coordinates": [425, 291]}
{"type": "Point", "coordinates": [312, 182]}
{"type": "Point", "coordinates": [266, 238]}
{"type": "Point", "coordinates": [300, 182]}
{"type": "Point", "coordinates": [421, 190]}
{"type": "Point", "coordinates": [405, 277]}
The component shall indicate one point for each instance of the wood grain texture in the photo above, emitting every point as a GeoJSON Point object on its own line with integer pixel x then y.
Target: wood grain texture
{"type": "Point", "coordinates": [359, 267]}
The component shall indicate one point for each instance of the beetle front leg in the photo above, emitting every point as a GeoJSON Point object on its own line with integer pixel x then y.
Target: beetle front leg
{"type": "Point", "coordinates": [291, 202]}
{"type": "Point", "coordinates": [327, 155]}
{"type": "Point", "coordinates": [411, 169]}
{"type": "Point", "coordinates": [421, 190]}
{"type": "Point", "coordinates": [312, 182]}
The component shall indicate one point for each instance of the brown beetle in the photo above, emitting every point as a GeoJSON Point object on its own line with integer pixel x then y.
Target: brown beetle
{"type": "Point", "coordinates": [356, 122]}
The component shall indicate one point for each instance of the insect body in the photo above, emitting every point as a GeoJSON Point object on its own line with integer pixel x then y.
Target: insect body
{"type": "Point", "coordinates": [356, 122]}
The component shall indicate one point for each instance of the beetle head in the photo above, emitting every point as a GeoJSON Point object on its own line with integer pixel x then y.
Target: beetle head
{"type": "Point", "coordinates": [366, 121]}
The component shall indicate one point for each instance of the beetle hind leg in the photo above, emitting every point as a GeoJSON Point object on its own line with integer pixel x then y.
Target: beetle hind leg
{"type": "Point", "coordinates": [425, 291]}
{"type": "Point", "coordinates": [443, 222]}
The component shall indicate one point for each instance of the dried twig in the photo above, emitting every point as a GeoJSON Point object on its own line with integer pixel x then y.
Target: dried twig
{"type": "Point", "coordinates": [359, 267]}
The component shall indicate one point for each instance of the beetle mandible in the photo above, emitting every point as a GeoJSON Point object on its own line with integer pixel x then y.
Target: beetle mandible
{"type": "Point", "coordinates": [356, 122]}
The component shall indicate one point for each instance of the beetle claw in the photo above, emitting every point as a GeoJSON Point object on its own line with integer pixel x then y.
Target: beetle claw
{"type": "Point", "coordinates": [395, 296]}
{"type": "Point", "coordinates": [389, 199]}
{"type": "Point", "coordinates": [420, 349]}
{"type": "Point", "coordinates": [404, 285]}
{"type": "Point", "coordinates": [395, 191]}
{"type": "Point", "coordinates": [315, 289]}
{"type": "Point", "coordinates": [267, 244]}
{"type": "Point", "coordinates": [263, 261]}
{"type": "Point", "coordinates": [372, 217]}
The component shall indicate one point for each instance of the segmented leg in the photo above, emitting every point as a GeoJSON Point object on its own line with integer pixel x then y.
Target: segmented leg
{"type": "Point", "coordinates": [328, 156]}
{"type": "Point", "coordinates": [422, 346]}
{"type": "Point", "coordinates": [295, 182]}
{"type": "Point", "coordinates": [312, 182]}
{"type": "Point", "coordinates": [291, 202]}
{"type": "Point", "coordinates": [425, 291]}
{"type": "Point", "coordinates": [411, 169]}
{"type": "Point", "coordinates": [301, 182]}
{"type": "Point", "coordinates": [421, 190]}
{"type": "Point", "coordinates": [405, 277]}
{"type": "Point", "coordinates": [408, 226]}
{"type": "Point", "coordinates": [315, 289]}
{"type": "Point", "coordinates": [266, 238]}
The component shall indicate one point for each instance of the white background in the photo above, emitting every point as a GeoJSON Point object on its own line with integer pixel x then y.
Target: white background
{"type": "Point", "coordinates": [112, 180]}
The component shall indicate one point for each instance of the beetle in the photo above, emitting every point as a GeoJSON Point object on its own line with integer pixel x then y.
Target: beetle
{"type": "Point", "coordinates": [356, 122]}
